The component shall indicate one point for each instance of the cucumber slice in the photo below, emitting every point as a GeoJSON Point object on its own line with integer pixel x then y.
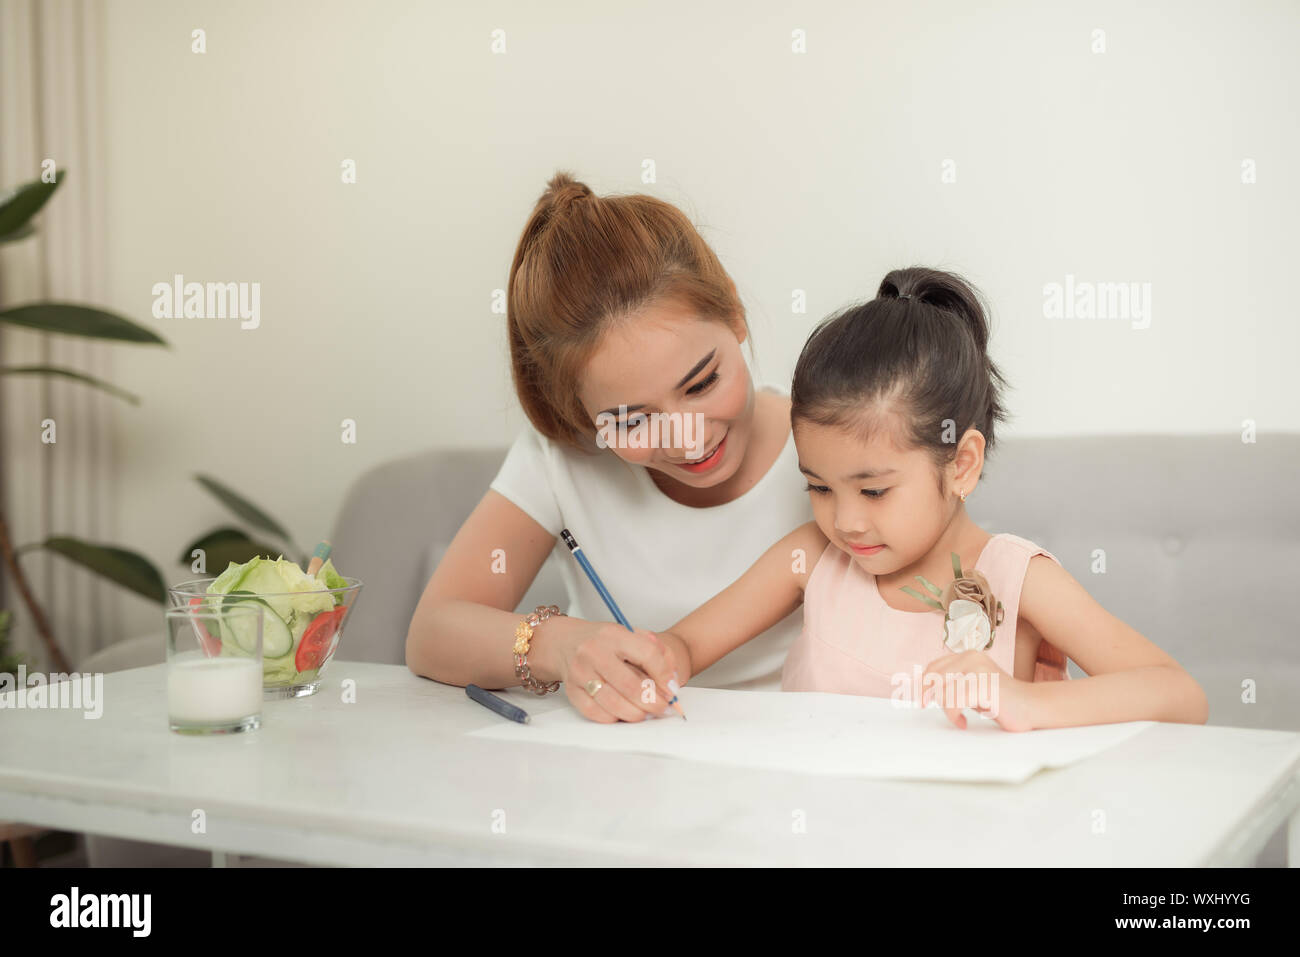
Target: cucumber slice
{"type": "Point", "coordinates": [241, 638]}
{"type": "Point", "coordinates": [276, 639]}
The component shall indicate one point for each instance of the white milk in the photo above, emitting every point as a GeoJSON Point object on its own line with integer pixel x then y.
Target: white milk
{"type": "Point", "coordinates": [213, 690]}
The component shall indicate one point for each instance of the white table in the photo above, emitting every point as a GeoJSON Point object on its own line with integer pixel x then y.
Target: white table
{"type": "Point", "coordinates": [393, 779]}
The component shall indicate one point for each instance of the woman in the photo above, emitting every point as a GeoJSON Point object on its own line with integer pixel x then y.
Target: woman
{"type": "Point", "coordinates": [617, 310]}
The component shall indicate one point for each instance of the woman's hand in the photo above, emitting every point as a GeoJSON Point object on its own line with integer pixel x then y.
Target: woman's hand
{"type": "Point", "coordinates": [988, 690]}
{"type": "Point", "coordinates": [633, 667]}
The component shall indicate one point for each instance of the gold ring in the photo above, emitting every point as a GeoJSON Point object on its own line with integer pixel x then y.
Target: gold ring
{"type": "Point", "coordinates": [594, 685]}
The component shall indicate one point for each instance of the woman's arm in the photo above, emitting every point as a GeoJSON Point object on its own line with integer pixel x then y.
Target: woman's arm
{"type": "Point", "coordinates": [768, 591]}
{"type": "Point", "coordinates": [1129, 677]}
{"type": "Point", "coordinates": [463, 628]}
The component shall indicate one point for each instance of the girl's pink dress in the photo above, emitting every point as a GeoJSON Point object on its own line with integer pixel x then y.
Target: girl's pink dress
{"type": "Point", "coordinates": [853, 643]}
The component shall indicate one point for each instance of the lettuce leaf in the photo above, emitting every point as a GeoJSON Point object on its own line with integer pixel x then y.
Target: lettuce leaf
{"type": "Point", "coordinates": [330, 578]}
{"type": "Point", "coordinates": [229, 580]}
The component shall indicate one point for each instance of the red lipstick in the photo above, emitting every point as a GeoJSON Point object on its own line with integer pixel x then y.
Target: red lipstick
{"type": "Point", "coordinates": [709, 462]}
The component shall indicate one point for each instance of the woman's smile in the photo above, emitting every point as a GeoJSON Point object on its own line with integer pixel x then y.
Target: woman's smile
{"type": "Point", "coordinates": [709, 462]}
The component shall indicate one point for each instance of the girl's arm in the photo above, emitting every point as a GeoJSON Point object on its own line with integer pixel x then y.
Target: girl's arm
{"type": "Point", "coordinates": [1129, 677]}
{"type": "Point", "coordinates": [770, 589]}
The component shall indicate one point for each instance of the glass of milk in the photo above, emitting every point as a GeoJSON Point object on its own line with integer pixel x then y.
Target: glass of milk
{"type": "Point", "coordinates": [214, 666]}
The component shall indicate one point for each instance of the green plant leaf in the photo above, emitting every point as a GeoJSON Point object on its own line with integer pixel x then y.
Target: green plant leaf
{"type": "Point", "coordinates": [225, 545]}
{"type": "Point", "coordinates": [20, 205]}
{"type": "Point", "coordinates": [244, 508]}
{"type": "Point", "coordinates": [9, 659]}
{"type": "Point", "coordinates": [70, 374]}
{"type": "Point", "coordinates": [22, 232]}
{"type": "Point", "coordinates": [126, 568]}
{"type": "Point", "coordinates": [71, 319]}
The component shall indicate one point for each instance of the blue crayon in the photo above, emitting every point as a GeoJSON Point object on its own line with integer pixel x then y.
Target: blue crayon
{"type": "Point", "coordinates": [500, 705]}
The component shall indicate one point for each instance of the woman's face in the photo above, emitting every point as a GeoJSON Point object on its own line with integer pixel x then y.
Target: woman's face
{"type": "Point", "coordinates": [880, 504]}
{"type": "Point", "coordinates": [670, 379]}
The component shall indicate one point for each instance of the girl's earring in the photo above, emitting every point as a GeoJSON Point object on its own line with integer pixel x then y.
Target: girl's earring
{"type": "Point", "coordinates": [963, 497]}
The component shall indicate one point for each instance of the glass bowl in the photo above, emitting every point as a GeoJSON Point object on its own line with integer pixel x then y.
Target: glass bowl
{"type": "Point", "coordinates": [298, 636]}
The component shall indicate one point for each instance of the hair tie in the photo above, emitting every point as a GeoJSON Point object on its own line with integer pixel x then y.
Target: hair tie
{"type": "Point", "coordinates": [908, 296]}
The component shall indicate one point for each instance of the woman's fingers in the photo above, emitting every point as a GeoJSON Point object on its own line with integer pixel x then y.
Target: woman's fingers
{"type": "Point", "coordinates": [586, 704]}
{"type": "Point", "coordinates": [626, 663]}
{"type": "Point", "coordinates": [616, 692]}
{"type": "Point", "coordinates": [644, 650]}
{"type": "Point", "coordinates": [634, 670]}
{"type": "Point", "coordinates": [621, 690]}
{"type": "Point", "coordinates": [642, 671]}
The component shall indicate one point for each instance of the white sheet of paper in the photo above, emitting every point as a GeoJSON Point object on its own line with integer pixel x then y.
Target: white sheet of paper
{"type": "Point", "coordinates": [818, 733]}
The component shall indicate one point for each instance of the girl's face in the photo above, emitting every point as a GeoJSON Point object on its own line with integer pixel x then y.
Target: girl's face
{"type": "Point", "coordinates": [877, 502]}
{"type": "Point", "coordinates": [668, 360]}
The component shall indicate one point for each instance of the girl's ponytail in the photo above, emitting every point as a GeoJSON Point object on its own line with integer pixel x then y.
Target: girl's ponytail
{"type": "Point", "coordinates": [943, 290]}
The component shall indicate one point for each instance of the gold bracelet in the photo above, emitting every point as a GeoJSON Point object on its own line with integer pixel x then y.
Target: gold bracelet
{"type": "Point", "coordinates": [523, 639]}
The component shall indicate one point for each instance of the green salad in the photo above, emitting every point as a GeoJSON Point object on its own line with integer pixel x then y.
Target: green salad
{"type": "Point", "coordinates": [299, 620]}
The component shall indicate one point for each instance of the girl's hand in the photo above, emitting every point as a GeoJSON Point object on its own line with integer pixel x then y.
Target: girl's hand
{"type": "Point", "coordinates": [997, 694]}
{"type": "Point", "coordinates": [620, 660]}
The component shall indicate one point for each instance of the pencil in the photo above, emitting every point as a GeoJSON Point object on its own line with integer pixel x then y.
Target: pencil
{"type": "Point", "coordinates": [604, 593]}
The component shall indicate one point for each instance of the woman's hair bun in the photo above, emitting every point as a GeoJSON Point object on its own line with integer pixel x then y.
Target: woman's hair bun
{"type": "Point", "coordinates": [564, 190]}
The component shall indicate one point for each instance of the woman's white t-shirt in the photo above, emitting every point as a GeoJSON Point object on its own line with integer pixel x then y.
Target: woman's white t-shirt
{"type": "Point", "coordinates": [659, 559]}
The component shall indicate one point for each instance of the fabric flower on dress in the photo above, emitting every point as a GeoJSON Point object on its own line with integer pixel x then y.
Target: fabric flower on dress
{"type": "Point", "coordinates": [971, 612]}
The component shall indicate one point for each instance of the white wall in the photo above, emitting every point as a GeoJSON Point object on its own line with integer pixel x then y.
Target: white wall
{"type": "Point", "coordinates": [818, 171]}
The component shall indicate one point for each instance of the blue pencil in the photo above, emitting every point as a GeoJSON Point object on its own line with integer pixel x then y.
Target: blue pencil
{"type": "Point", "coordinates": [603, 592]}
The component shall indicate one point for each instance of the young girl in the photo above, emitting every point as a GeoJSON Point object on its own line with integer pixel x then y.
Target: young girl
{"type": "Point", "coordinates": [894, 404]}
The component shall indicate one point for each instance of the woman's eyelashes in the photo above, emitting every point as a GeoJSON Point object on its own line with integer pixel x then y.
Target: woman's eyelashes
{"type": "Point", "coordinates": [640, 418]}
{"type": "Point", "coordinates": [703, 384]}
{"type": "Point", "coordinates": [868, 492]}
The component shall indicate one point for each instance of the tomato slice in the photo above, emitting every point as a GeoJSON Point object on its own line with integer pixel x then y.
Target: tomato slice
{"type": "Point", "coordinates": [315, 645]}
{"type": "Point", "coordinates": [211, 646]}
{"type": "Point", "coordinates": [341, 612]}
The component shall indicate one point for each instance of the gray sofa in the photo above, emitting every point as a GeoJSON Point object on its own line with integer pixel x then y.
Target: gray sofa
{"type": "Point", "coordinates": [1200, 535]}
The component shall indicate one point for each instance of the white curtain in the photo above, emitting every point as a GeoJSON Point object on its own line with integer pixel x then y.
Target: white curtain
{"type": "Point", "coordinates": [51, 58]}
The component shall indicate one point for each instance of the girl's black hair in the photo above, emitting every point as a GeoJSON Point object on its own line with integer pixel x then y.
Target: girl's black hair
{"type": "Point", "coordinates": [917, 353]}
